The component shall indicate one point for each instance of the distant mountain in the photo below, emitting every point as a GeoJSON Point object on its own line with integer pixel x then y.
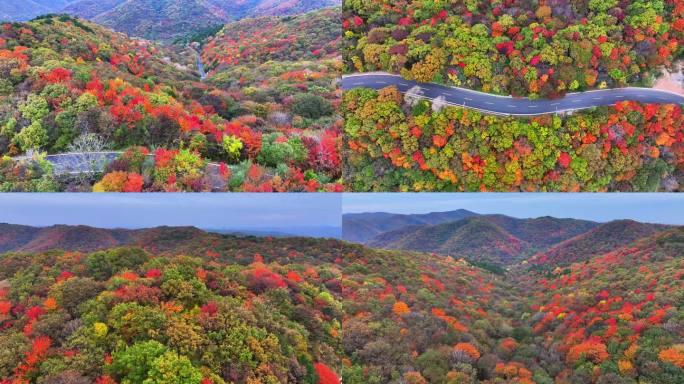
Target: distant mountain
{"type": "Point", "coordinates": [330, 232]}
{"type": "Point", "coordinates": [88, 9]}
{"type": "Point", "coordinates": [72, 238]}
{"type": "Point", "coordinates": [162, 19]}
{"type": "Point", "coordinates": [474, 238]}
{"type": "Point", "coordinates": [491, 239]}
{"type": "Point", "coordinates": [496, 239]}
{"type": "Point", "coordinates": [307, 37]}
{"type": "Point", "coordinates": [15, 236]}
{"type": "Point", "coordinates": [361, 227]}
{"type": "Point", "coordinates": [171, 19]}
{"type": "Point", "coordinates": [76, 238]}
{"type": "Point", "coordinates": [18, 10]}
{"type": "Point", "coordinates": [542, 232]}
{"type": "Point", "coordinates": [239, 9]}
{"type": "Point", "coordinates": [22, 238]}
{"type": "Point", "coordinates": [595, 242]}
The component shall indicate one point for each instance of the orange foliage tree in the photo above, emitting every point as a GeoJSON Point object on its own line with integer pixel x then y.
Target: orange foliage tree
{"type": "Point", "coordinates": [400, 308]}
{"type": "Point", "coordinates": [592, 349]}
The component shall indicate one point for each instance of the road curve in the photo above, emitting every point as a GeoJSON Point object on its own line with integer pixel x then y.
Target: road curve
{"type": "Point", "coordinates": [506, 105]}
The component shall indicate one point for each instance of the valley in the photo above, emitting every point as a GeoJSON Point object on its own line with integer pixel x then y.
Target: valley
{"type": "Point", "coordinates": [266, 122]}
{"type": "Point", "coordinates": [494, 299]}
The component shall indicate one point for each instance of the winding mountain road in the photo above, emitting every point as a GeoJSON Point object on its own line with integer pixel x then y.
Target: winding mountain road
{"type": "Point", "coordinates": [200, 67]}
{"type": "Point", "coordinates": [507, 105]}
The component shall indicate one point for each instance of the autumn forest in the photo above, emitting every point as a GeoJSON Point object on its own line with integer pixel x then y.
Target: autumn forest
{"type": "Point", "coordinates": [542, 50]}
{"type": "Point", "coordinates": [402, 192]}
{"type": "Point", "coordinates": [448, 297]}
{"type": "Point", "coordinates": [249, 107]}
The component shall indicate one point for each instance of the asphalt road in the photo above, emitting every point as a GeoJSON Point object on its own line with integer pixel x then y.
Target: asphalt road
{"type": "Point", "coordinates": [506, 105]}
{"type": "Point", "coordinates": [200, 67]}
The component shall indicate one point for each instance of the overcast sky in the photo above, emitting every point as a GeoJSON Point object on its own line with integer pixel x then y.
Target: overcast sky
{"type": "Point", "coordinates": [666, 208]}
{"type": "Point", "coordinates": [209, 211]}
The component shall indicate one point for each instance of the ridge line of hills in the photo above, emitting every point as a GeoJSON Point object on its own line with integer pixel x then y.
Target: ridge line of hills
{"type": "Point", "coordinates": [24, 238]}
{"type": "Point", "coordinates": [164, 20]}
{"type": "Point", "coordinates": [495, 240]}
{"type": "Point", "coordinates": [492, 242]}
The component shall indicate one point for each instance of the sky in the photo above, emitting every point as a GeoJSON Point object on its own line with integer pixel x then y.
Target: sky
{"type": "Point", "coordinates": [208, 211]}
{"type": "Point", "coordinates": [665, 208]}
{"type": "Point", "coordinates": [296, 213]}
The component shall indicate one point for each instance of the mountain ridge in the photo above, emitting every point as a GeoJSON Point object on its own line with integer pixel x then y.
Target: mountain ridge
{"type": "Point", "coordinates": [596, 241]}
{"type": "Point", "coordinates": [374, 223]}
{"type": "Point", "coordinates": [496, 239]}
{"type": "Point", "coordinates": [165, 20]}
{"type": "Point", "coordinates": [23, 238]}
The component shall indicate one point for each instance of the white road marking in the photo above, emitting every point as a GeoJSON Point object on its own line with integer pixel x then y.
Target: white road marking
{"type": "Point", "coordinates": [468, 98]}
{"type": "Point", "coordinates": [555, 103]}
{"type": "Point", "coordinates": [576, 101]}
{"type": "Point", "coordinates": [597, 98]}
{"type": "Point", "coordinates": [620, 97]}
{"type": "Point", "coordinates": [511, 106]}
{"type": "Point", "coordinates": [489, 103]}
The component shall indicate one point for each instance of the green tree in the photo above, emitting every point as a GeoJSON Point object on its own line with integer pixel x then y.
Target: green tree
{"type": "Point", "coordinates": [133, 363]}
{"type": "Point", "coordinates": [34, 136]}
{"type": "Point", "coordinates": [35, 108]}
{"type": "Point", "coordinates": [104, 264]}
{"type": "Point", "coordinates": [170, 368]}
{"type": "Point", "coordinates": [311, 106]}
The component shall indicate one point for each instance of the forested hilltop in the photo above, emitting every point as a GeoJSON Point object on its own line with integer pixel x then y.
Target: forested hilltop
{"type": "Point", "coordinates": [216, 308]}
{"type": "Point", "coordinates": [190, 307]}
{"type": "Point", "coordinates": [69, 85]}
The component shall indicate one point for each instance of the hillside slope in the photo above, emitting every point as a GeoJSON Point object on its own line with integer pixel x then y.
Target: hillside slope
{"type": "Point", "coordinates": [70, 85]}
{"type": "Point", "coordinates": [491, 239]}
{"type": "Point", "coordinates": [168, 20]}
{"type": "Point", "coordinates": [431, 319]}
{"type": "Point", "coordinates": [129, 315]}
{"type": "Point", "coordinates": [162, 19]}
{"type": "Point", "coordinates": [28, 9]}
{"type": "Point", "coordinates": [88, 9]}
{"type": "Point", "coordinates": [616, 318]}
{"type": "Point", "coordinates": [595, 242]}
{"type": "Point", "coordinates": [360, 227]}
{"type": "Point", "coordinates": [311, 36]}
{"type": "Point", "coordinates": [301, 309]}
